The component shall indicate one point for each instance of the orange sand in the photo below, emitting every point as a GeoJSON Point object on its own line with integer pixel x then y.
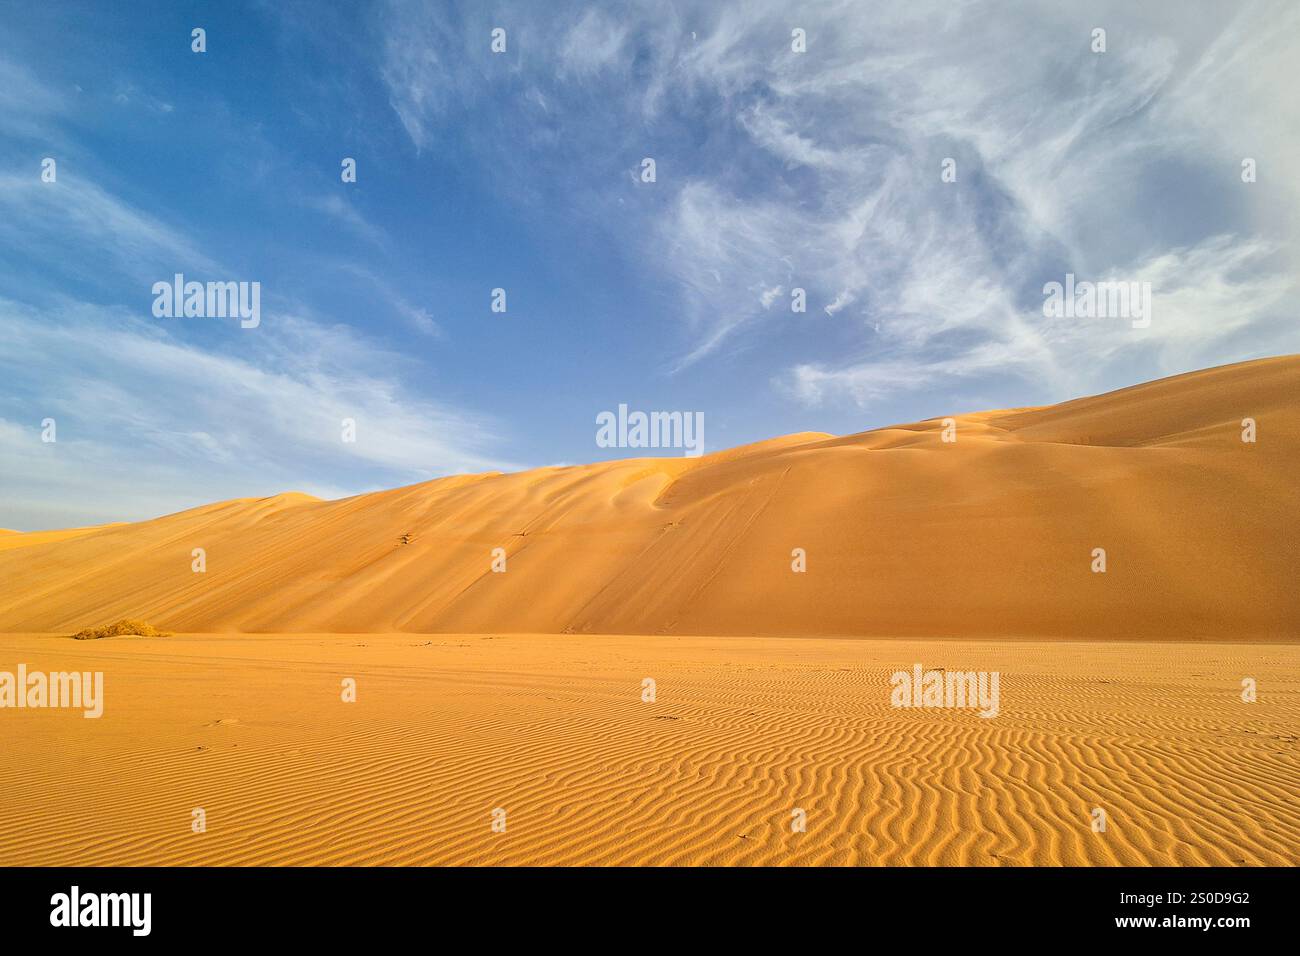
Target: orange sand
{"type": "Point", "coordinates": [905, 535]}
{"type": "Point", "coordinates": [11, 540]}
{"type": "Point", "coordinates": [552, 729]}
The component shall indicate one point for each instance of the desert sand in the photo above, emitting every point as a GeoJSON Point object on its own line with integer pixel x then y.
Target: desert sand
{"type": "Point", "coordinates": [553, 730]}
{"type": "Point", "coordinates": [523, 690]}
{"type": "Point", "coordinates": [904, 534]}
{"type": "Point", "coordinates": [17, 539]}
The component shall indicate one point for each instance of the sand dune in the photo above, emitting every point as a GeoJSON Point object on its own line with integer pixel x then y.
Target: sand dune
{"type": "Point", "coordinates": [744, 731]}
{"type": "Point", "coordinates": [522, 690]}
{"type": "Point", "coordinates": [904, 534]}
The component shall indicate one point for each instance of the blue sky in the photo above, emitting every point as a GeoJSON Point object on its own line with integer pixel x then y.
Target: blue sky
{"type": "Point", "coordinates": [520, 170]}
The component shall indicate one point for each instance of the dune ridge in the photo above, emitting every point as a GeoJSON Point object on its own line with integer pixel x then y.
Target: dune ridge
{"type": "Point", "coordinates": [905, 535]}
{"type": "Point", "coordinates": [12, 540]}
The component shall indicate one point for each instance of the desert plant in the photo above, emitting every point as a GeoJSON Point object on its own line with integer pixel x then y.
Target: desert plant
{"type": "Point", "coordinates": [124, 626]}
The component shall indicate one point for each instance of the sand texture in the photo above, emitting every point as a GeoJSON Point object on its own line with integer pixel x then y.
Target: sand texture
{"type": "Point", "coordinates": [743, 731]}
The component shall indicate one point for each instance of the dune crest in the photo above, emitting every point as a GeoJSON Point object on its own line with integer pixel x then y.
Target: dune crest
{"type": "Point", "coordinates": [12, 540]}
{"type": "Point", "coordinates": [904, 534]}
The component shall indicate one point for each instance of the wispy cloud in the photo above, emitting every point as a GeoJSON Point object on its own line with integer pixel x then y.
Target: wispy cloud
{"type": "Point", "coordinates": [1207, 296]}
{"type": "Point", "coordinates": [27, 105]}
{"type": "Point", "coordinates": [346, 213]}
{"type": "Point", "coordinates": [267, 415]}
{"type": "Point", "coordinates": [821, 170]}
{"type": "Point", "coordinates": [83, 228]}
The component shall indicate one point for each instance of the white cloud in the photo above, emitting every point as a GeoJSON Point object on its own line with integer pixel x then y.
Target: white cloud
{"type": "Point", "coordinates": [91, 227]}
{"type": "Point", "coordinates": [1203, 297]}
{"type": "Point", "coordinates": [343, 211]}
{"type": "Point", "coordinates": [27, 105]}
{"type": "Point", "coordinates": [176, 422]}
{"type": "Point", "coordinates": [420, 84]}
{"type": "Point", "coordinates": [821, 170]}
{"type": "Point", "coordinates": [843, 298]}
{"type": "Point", "coordinates": [595, 42]}
{"type": "Point", "coordinates": [416, 317]}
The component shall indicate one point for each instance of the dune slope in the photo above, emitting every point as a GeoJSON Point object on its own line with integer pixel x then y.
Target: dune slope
{"type": "Point", "coordinates": [904, 534]}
